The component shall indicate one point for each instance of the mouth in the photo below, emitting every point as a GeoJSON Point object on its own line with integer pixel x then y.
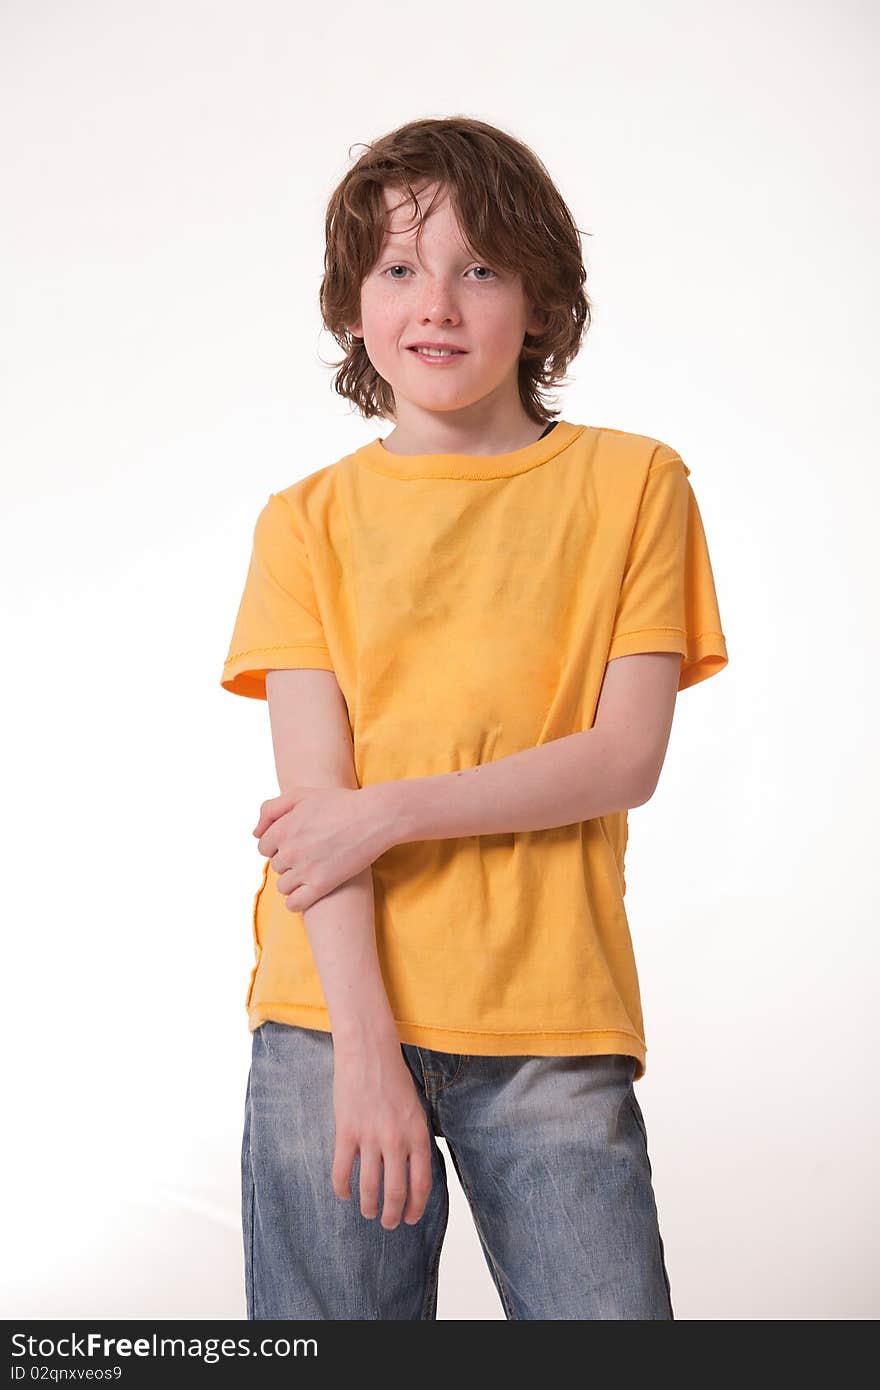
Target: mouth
{"type": "Point", "coordinates": [435, 355]}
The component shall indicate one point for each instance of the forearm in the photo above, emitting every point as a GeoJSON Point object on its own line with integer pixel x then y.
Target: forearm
{"type": "Point", "coordinates": [341, 931]}
{"type": "Point", "coordinates": [313, 746]}
{"type": "Point", "coordinates": [570, 779]}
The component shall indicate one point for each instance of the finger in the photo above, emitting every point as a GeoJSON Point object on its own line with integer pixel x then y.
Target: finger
{"type": "Point", "coordinates": [267, 816]}
{"type": "Point", "coordinates": [369, 1181]}
{"type": "Point", "coordinates": [267, 843]}
{"type": "Point", "coordinates": [302, 897]}
{"type": "Point", "coordinates": [343, 1161]}
{"type": "Point", "coordinates": [268, 819]}
{"type": "Point", "coordinates": [270, 811]}
{"type": "Point", "coordinates": [288, 881]}
{"type": "Point", "coordinates": [419, 1183]}
{"type": "Point", "coordinates": [394, 1187]}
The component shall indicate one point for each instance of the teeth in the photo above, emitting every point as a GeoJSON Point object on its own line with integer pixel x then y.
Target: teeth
{"type": "Point", "coordinates": [435, 352]}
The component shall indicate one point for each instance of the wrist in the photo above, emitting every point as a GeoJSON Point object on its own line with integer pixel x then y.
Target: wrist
{"type": "Point", "coordinates": [391, 810]}
{"type": "Point", "coordinates": [369, 1031]}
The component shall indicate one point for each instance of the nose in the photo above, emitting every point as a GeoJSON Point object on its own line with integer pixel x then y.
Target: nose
{"type": "Point", "coordinates": [438, 303]}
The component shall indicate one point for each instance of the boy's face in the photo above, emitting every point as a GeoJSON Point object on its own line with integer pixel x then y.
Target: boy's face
{"type": "Point", "coordinates": [443, 295]}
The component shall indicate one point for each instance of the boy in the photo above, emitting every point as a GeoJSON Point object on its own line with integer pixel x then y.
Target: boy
{"type": "Point", "coordinates": [470, 635]}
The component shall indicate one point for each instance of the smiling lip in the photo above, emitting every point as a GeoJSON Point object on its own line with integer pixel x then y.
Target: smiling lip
{"type": "Point", "coordinates": [448, 360]}
{"type": "Point", "coordinates": [450, 354]}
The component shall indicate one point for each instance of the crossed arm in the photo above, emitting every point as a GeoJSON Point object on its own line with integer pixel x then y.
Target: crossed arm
{"type": "Point", "coordinates": [613, 766]}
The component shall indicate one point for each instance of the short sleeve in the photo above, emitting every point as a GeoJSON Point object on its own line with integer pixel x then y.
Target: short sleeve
{"type": "Point", "coordinates": [278, 626]}
{"type": "Point", "coordinates": [667, 600]}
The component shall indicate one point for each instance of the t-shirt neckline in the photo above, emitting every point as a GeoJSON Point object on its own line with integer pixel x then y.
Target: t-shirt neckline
{"type": "Point", "coordinates": [378, 459]}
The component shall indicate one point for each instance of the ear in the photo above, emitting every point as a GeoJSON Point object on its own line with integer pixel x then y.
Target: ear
{"type": "Point", "coordinates": [537, 321]}
{"type": "Point", "coordinates": [356, 329]}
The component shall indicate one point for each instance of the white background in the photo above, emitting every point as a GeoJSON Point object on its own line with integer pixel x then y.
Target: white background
{"type": "Point", "coordinates": [166, 172]}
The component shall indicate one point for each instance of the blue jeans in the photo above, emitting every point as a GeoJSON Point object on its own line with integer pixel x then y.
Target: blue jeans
{"type": "Point", "coordinates": [551, 1153]}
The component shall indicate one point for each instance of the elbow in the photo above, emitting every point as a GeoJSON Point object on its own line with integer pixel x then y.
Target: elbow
{"type": "Point", "coordinates": [319, 773]}
{"type": "Point", "coordinates": [640, 783]}
{"type": "Point", "coordinates": [641, 800]}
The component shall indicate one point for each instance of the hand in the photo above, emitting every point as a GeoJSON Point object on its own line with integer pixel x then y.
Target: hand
{"type": "Point", "coordinates": [379, 1115]}
{"type": "Point", "coordinates": [318, 838]}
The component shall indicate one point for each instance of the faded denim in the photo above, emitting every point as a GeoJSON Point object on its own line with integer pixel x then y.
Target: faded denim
{"type": "Point", "coordinates": [550, 1151]}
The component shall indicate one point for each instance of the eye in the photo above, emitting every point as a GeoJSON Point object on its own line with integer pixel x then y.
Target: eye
{"type": "Point", "coordinates": [404, 268]}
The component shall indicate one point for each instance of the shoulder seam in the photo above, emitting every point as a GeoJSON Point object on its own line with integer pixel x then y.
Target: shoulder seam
{"type": "Point", "coordinates": [664, 462]}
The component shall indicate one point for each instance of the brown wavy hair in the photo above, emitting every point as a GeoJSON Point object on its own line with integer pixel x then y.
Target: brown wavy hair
{"type": "Point", "coordinates": [510, 213]}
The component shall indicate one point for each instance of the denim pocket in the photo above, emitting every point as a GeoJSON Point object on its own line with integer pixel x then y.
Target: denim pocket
{"type": "Point", "coordinates": [637, 1114]}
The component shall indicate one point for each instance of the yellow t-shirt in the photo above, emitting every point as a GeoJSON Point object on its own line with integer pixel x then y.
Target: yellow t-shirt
{"type": "Point", "coordinates": [468, 605]}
